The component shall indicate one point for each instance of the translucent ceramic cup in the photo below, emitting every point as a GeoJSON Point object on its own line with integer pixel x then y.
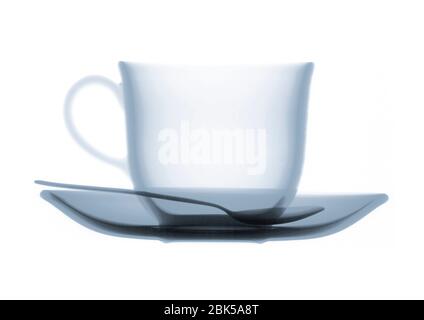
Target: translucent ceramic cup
{"type": "Point", "coordinates": [232, 135]}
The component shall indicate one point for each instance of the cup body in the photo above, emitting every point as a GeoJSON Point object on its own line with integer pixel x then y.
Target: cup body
{"type": "Point", "coordinates": [233, 135]}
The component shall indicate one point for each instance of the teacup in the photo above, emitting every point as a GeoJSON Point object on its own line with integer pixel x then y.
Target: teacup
{"type": "Point", "coordinates": [233, 135]}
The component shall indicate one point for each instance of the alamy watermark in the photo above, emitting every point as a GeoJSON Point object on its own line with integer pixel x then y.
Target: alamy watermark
{"type": "Point", "coordinates": [205, 146]}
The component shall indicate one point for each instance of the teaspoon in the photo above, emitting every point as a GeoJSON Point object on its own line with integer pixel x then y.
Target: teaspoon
{"type": "Point", "coordinates": [263, 216]}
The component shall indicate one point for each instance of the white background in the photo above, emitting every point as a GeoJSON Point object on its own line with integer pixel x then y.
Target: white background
{"type": "Point", "coordinates": [365, 135]}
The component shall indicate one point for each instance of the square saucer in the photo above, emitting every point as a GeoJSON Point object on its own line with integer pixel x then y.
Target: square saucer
{"type": "Point", "coordinates": [128, 215]}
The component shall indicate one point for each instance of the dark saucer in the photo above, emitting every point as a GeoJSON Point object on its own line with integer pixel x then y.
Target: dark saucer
{"type": "Point", "coordinates": [126, 215]}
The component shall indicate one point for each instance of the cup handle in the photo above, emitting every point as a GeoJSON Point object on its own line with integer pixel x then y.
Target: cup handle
{"type": "Point", "coordinates": [69, 100]}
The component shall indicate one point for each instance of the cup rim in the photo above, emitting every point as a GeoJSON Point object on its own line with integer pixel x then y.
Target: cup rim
{"type": "Point", "coordinates": [218, 65]}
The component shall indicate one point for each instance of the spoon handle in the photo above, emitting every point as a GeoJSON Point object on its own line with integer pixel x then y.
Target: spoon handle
{"type": "Point", "coordinates": [129, 191]}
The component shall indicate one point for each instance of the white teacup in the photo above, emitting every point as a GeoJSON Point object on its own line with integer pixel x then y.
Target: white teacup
{"type": "Point", "coordinates": [232, 135]}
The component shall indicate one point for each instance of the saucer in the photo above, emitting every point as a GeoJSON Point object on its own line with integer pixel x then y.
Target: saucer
{"type": "Point", "coordinates": [128, 215]}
